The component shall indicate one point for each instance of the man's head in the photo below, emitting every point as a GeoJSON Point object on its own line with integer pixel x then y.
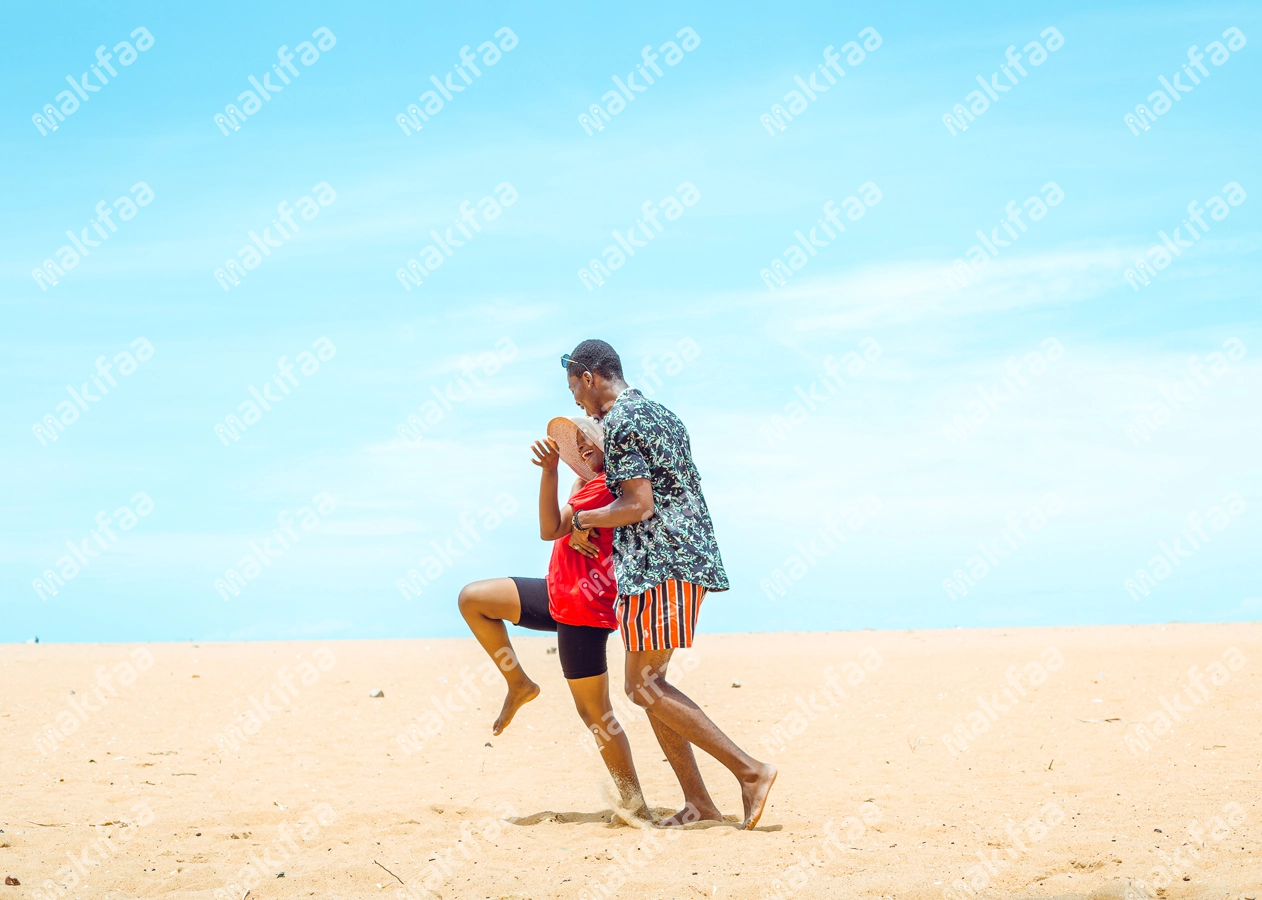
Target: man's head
{"type": "Point", "coordinates": [594, 372]}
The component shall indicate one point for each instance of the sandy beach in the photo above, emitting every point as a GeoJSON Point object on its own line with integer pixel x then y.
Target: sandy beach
{"type": "Point", "coordinates": [1080, 759]}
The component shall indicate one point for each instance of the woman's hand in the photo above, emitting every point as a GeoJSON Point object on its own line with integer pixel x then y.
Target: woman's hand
{"type": "Point", "coordinates": [581, 540]}
{"type": "Point", "coordinates": [547, 454]}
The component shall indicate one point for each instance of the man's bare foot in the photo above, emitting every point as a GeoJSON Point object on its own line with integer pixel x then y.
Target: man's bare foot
{"type": "Point", "coordinates": [514, 700]}
{"type": "Point", "coordinates": [692, 813]}
{"type": "Point", "coordinates": [754, 794]}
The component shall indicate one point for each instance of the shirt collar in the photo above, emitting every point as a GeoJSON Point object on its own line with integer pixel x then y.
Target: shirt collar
{"type": "Point", "coordinates": [625, 391]}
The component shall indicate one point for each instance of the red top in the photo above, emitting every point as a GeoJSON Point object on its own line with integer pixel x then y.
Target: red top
{"type": "Point", "coordinates": [581, 591]}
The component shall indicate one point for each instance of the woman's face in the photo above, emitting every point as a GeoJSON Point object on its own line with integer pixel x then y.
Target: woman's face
{"type": "Point", "coordinates": [591, 454]}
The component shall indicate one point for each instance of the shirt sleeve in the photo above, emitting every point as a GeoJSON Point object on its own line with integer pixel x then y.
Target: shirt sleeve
{"type": "Point", "coordinates": [626, 457]}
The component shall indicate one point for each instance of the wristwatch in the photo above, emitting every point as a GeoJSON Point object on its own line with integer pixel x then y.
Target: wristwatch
{"type": "Point", "coordinates": [574, 522]}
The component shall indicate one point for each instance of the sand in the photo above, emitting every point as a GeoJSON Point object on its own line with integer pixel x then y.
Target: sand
{"type": "Point", "coordinates": [353, 796]}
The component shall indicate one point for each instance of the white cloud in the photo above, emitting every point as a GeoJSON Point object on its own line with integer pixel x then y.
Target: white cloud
{"type": "Point", "coordinates": [914, 291]}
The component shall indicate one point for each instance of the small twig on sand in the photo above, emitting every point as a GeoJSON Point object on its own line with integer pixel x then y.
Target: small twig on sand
{"type": "Point", "coordinates": [392, 875]}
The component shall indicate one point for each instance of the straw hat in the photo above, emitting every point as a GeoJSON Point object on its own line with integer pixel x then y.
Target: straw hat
{"type": "Point", "coordinates": [564, 430]}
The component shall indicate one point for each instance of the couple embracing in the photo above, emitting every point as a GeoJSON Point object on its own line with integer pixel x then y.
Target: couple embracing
{"type": "Point", "coordinates": [633, 551]}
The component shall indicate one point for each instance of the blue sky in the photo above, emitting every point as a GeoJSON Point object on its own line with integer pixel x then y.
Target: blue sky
{"type": "Point", "coordinates": [880, 283]}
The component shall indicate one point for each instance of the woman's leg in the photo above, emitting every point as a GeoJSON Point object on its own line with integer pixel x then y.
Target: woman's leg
{"type": "Point", "coordinates": [486, 605]}
{"type": "Point", "coordinates": [591, 698]}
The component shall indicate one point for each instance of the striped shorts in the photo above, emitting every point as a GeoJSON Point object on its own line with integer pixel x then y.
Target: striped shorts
{"type": "Point", "coordinates": [662, 618]}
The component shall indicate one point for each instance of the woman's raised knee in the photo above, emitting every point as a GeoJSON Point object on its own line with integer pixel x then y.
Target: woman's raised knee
{"type": "Point", "coordinates": [469, 598]}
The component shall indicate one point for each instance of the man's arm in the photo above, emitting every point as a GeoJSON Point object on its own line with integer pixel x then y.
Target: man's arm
{"type": "Point", "coordinates": [635, 505]}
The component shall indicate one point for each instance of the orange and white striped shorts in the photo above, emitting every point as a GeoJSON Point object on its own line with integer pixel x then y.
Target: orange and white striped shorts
{"type": "Point", "coordinates": [662, 618]}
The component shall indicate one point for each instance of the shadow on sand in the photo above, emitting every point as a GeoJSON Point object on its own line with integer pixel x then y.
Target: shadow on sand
{"type": "Point", "coordinates": [606, 817]}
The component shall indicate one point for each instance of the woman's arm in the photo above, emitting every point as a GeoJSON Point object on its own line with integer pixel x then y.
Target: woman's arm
{"type": "Point", "coordinates": [553, 522]}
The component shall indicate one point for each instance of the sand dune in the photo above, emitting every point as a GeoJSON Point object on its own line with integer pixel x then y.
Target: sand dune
{"type": "Point", "coordinates": [235, 762]}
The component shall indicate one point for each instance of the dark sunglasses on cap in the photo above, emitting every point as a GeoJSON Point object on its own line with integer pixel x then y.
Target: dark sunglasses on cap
{"type": "Point", "coordinates": [567, 359]}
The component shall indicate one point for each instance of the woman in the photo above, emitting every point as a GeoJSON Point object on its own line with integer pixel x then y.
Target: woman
{"type": "Point", "coordinates": [575, 600]}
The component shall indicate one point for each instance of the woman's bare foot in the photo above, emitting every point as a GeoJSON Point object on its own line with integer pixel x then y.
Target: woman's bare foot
{"type": "Point", "coordinates": [754, 794]}
{"type": "Point", "coordinates": [692, 813]}
{"type": "Point", "coordinates": [634, 815]}
{"type": "Point", "coordinates": [514, 700]}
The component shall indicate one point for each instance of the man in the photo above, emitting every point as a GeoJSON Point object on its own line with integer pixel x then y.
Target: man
{"type": "Point", "coordinates": [665, 559]}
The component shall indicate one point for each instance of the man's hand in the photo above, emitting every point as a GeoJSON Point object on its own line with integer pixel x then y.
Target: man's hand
{"type": "Point", "coordinates": [547, 454]}
{"type": "Point", "coordinates": [581, 540]}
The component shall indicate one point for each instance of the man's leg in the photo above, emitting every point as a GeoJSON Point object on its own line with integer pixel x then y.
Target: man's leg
{"type": "Point", "coordinates": [666, 705]}
{"type": "Point", "coordinates": [486, 605]}
{"type": "Point", "coordinates": [698, 805]}
{"type": "Point", "coordinates": [591, 698]}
